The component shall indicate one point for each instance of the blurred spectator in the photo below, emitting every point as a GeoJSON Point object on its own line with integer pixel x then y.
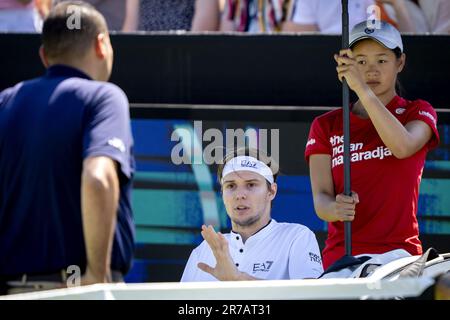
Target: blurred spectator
{"type": "Point", "coordinates": [325, 15]}
{"type": "Point", "coordinates": [19, 16]}
{"type": "Point", "coordinates": [132, 16]}
{"type": "Point", "coordinates": [113, 10]}
{"type": "Point", "coordinates": [255, 16]}
{"type": "Point", "coordinates": [405, 15]}
{"type": "Point", "coordinates": [160, 15]}
{"type": "Point", "coordinates": [43, 7]}
{"type": "Point", "coordinates": [207, 15]}
{"type": "Point", "coordinates": [437, 13]}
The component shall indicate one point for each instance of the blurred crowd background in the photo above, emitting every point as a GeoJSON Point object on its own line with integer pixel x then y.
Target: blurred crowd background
{"type": "Point", "coordinates": [254, 16]}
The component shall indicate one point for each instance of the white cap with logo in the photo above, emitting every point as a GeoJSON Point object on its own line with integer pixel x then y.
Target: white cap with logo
{"type": "Point", "coordinates": [247, 163]}
{"type": "Point", "coordinates": [382, 32]}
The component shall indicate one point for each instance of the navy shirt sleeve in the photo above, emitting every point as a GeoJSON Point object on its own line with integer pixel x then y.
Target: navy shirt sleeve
{"type": "Point", "coordinates": [4, 95]}
{"type": "Point", "coordinates": [107, 130]}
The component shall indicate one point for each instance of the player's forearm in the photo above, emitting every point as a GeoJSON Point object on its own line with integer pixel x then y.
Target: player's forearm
{"type": "Point", "coordinates": [393, 134]}
{"type": "Point", "coordinates": [99, 205]}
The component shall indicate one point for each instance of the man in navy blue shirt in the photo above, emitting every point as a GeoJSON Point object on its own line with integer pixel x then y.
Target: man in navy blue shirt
{"type": "Point", "coordinates": [66, 161]}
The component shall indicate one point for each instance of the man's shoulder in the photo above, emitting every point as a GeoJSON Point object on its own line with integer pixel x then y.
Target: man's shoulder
{"type": "Point", "coordinates": [108, 86]}
{"type": "Point", "coordinates": [96, 93]}
{"type": "Point", "coordinates": [5, 94]}
{"type": "Point", "coordinates": [294, 228]}
{"type": "Point", "coordinates": [99, 87]}
{"type": "Point", "coordinates": [8, 92]}
{"type": "Point", "coordinates": [24, 88]}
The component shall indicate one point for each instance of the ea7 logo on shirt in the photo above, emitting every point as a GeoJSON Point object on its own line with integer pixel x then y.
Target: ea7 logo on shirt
{"type": "Point", "coordinates": [248, 164]}
{"type": "Point", "coordinates": [117, 143]}
{"type": "Point", "coordinates": [264, 267]}
{"type": "Point", "coordinates": [315, 257]}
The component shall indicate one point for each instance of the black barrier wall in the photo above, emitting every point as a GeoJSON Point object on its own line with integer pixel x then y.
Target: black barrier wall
{"type": "Point", "coordinates": [285, 70]}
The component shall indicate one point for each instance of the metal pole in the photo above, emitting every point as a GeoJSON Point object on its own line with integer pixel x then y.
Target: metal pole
{"type": "Point", "coordinates": [346, 106]}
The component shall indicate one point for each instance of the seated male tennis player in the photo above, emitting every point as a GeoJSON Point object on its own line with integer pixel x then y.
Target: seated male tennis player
{"type": "Point", "coordinates": [258, 247]}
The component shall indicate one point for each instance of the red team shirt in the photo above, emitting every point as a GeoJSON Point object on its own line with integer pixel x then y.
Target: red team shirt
{"type": "Point", "coordinates": [388, 187]}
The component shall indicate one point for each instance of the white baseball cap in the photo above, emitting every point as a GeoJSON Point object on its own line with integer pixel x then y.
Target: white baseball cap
{"type": "Point", "coordinates": [382, 32]}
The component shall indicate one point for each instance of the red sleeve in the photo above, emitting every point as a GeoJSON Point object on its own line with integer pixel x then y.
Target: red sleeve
{"type": "Point", "coordinates": [423, 111]}
{"type": "Point", "coordinates": [318, 141]}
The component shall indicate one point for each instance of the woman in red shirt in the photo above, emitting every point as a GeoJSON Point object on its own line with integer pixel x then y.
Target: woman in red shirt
{"type": "Point", "coordinates": [389, 139]}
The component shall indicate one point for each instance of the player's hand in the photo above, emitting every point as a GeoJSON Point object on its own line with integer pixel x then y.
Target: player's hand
{"type": "Point", "coordinates": [347, 68]}
{"type": "Point", "coordinates": [345, 206]}
{"type": "Point", "coordinates": [225, 269]}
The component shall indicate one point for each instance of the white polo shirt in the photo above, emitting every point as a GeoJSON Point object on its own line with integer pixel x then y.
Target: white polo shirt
{"type": "Point", "coordinates": [277, 251]}
{"type": "Point", "coordinates": [327, 14]}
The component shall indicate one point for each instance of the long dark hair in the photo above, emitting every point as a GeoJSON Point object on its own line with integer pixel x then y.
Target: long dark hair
{"type": "Point", "coordinates": [398, 85]}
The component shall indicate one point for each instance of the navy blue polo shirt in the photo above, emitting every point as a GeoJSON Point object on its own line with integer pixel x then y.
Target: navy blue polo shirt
{"type": "Point", "coordinates": [48, 125]}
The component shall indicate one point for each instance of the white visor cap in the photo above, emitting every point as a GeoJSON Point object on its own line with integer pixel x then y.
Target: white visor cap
{"type": "Point", "coordinates": [247, 163]}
